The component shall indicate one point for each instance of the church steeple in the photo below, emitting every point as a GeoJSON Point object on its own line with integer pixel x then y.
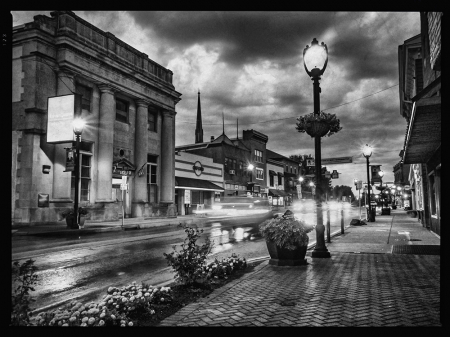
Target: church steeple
{"type": "Point", "coordinates": [198, 127]}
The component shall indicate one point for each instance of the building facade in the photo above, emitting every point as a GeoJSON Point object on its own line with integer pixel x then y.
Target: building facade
{"type": "Point", "coordinates": [420, 105]}
{"type": "Point", "coordinates": [275, 181]}
{"type": "Point", "coordinates": [128, 103]}
{"type": "Point", "coordinates": [291, 173]}
{"type": "Point", "coordinates": [198, 182]}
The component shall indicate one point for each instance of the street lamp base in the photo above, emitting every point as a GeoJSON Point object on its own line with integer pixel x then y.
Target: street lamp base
{"type": "Point", "coordinates": [323, 253]}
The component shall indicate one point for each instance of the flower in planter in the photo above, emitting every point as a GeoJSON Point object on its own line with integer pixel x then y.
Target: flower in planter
{"type": "Point", "coordinates": [304, 123]}
{"type": "Point", "coordinates": [286, 231]}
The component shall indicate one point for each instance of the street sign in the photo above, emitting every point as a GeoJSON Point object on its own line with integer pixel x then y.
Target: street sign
{"type": "Point", "coordinates": [335, 174]}
{"type": "Point", "coordinates": [338, 160]}
{"type": "Point", "coordinates": [327, 174]}
{"type": "Point", "coordinates": [123, 187]}
{"type": "Point", "coordinates": [310, 162]}
{"type": "Point", "coordinates": [358, 184]}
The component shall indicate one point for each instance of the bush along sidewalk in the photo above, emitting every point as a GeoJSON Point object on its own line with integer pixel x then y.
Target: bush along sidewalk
{"type": "Point", "coordinates": [146, 305]}
{"type": "Point", "coordinates": [24, 278]}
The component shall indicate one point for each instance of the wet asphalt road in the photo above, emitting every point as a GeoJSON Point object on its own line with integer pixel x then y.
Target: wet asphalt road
{"type": "Point", "coordinates": [84, 267]}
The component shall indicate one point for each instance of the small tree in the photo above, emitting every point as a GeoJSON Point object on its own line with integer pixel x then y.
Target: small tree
{"type": "Point", "coordinates": [24, 278]}
{"type": "Point", "coordinates": [189, 262]}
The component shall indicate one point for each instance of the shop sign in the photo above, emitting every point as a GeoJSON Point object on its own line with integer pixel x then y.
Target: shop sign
{"type": "Point", "coordinates": [310, 162]}
{"type": "Point", "coordinates": [60, 113]}
{"type": "Point", "coordinates": [198, 168]}
{"type": "Point", "coordinates": [43, 200]}
{"type": "Point", "coordinates": [70, 160]}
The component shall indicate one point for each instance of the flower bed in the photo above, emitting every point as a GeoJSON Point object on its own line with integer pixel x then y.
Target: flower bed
{"type": "Point", "coordinates": [141, 305]}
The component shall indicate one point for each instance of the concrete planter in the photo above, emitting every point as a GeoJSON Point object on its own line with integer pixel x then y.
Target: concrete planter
{"type": "Point", "coordinates": [284, 257]}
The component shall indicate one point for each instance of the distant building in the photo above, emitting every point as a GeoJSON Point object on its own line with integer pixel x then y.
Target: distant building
{"type": "Point", "coordinates": [292, 171]}
{"type": "Point", "coordinates": [235, 154]}
{"type": "Point", "coordinates": [128, 103]}
{"type": "Point", "coordinates": [198, 182]}
{"type": "Point", "coordinates": [420, 105]}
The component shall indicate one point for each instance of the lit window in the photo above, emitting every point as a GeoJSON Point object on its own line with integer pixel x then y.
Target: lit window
{"type": "Point", "coordinates": [258, 156]}
{"type": "Point", "coordinates": [85, 174]}
{"type": "Point", "coordinates": [152, 186]}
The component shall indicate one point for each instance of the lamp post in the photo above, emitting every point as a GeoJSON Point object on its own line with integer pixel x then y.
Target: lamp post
{"type": "Point", "coordinates": [250, 168]}
{"type": "Point", "coordinates": [367, 152]}
{"type": "Point", "coordinates": [315, 57]}
{"type": "Point", "coordinates": [78, 125]}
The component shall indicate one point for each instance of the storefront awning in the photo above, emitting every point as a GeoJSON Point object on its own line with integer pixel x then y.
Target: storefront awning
{"type": "Point", "coordinates": [424, 132]}
{"type": "Point", "coordinates": [272, 173]}
{"type": "Point", "coordinates": [196, 184]}
{"type": "Point", "coordinates": [280, 174]}
{"type": "Point", "coordinates": [277, 193]}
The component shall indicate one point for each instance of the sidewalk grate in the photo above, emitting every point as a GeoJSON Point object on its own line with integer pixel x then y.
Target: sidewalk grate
{"type": "Point", "coordinates": [417, 249]}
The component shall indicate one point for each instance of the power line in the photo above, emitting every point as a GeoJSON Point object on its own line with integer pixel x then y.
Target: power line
{"type": "Point", "coordinates": [280, 119]}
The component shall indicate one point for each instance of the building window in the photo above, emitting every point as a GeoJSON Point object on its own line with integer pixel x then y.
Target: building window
{"type": "Point", "coordinates": [259, 173]}
{"type": "Point", "coordinates": [86, 94]}
{"type": "Point", "coordinates": [152, 119]}
{"type": "Point", "coordinates": [280, 180]}
{"type": "Point", "coordinates": [85, 178]}
{"type": "Point", "coordinates": [226, 162]}
{"type": "Point", "coordinates": [295, 170]}
{"type": "Point", "coordinates": [271, 180]}
{"type": "Point", "coordinates": [234, 164]}
{"type": "Point", "coordinates": [258, 156]}
{"type": "Point", "coordinates": [152, 186]}
{"type": "Point", "coordinates": [121, 111]}
{"type": "Point", "coordinates": [287, 168]}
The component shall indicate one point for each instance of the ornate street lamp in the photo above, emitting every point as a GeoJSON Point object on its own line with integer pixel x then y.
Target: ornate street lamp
{"type": "Point", "coordinates": [367, 152]}
{"type": "Point", "coordinates": [315, 57]}
{"type": "Point", "coordinates": [78, 125]}
{"type": "Point", "coordinates": [250, 168]}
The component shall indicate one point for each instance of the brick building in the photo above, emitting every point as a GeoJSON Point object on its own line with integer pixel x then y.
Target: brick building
{"type": "Point", "coordinates": [420, 105]}
{"type": "Point", "coordinates": [128, 104]}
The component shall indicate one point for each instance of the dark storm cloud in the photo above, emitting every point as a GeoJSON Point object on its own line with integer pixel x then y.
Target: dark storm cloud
{"type": "Point", "coordinates": [245, 36]}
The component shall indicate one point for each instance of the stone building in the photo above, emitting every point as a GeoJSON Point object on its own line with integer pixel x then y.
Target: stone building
{"type": "Point", "coordinates": [420, 105]}
{"type": "Point", "coordinates": [128, 104]}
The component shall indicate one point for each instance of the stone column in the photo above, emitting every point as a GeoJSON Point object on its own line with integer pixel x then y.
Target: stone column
{"type": "Point", "coordinates": [61, 179]}
{"type": "Point", "coordinates": [168, 158]}
{"type": "Point", "coordinates": [140, 157]}
{"type": "Point", "coordinates": [105, 143]}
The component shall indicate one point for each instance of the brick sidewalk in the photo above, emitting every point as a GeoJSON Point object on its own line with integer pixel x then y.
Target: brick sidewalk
{"type": "Point", "coordinates": [371, 288]}
{"type": "Point", "coordinates": [346, 290]}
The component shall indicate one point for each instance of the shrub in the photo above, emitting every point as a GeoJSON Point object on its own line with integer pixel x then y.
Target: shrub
{"type": "Point", "coordinates": [221, 269]}
{"type": "Point", "coordinates": [24, 277]}
{"type": "Point", "coordinates": [188, 263]}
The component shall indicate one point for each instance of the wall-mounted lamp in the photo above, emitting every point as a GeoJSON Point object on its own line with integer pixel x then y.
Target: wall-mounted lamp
{"type": "Point", "coordinates": [46, 169]}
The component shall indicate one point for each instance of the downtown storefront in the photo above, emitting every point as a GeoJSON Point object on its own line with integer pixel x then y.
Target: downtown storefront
{"type": "Point", "coordinates": [198, 183]}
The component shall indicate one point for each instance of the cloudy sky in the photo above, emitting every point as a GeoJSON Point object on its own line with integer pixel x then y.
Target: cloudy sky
{"type": "Point", "coordinates": [249, 66]}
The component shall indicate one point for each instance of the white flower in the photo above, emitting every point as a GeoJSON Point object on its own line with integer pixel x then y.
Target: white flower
{"type": "Point", "coordinates": [123, 322]}
{"type": "Point", "coordinates": [102, 315]}
{"type": "Point", "coordinates": [146, 294]}
{"type": "Point", "coordinates": [113, 317]}
{"type": "Point", "coordinates": [85, 319]}
{"type": "Point", "coordinates": [124, 299]}
{"type": "Point", "coordinates": [101, 323]}
{"type": "Point", "coordinates": [83, 324]}
{"type": "Point", "coordinates": [72, 319]}
{"type": "Point", "coordinates": [152, 312]}
{"type": "Point", "coordinates": [117, 306]}
{"type": "Point", "coordinates": [132, 298]}
{"type": "Point", "coordinates": [91, 320]}
{"type": "Point", "coordinates": [162, 299]}
{"type": "Point", "coordinates": [130, 324]}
